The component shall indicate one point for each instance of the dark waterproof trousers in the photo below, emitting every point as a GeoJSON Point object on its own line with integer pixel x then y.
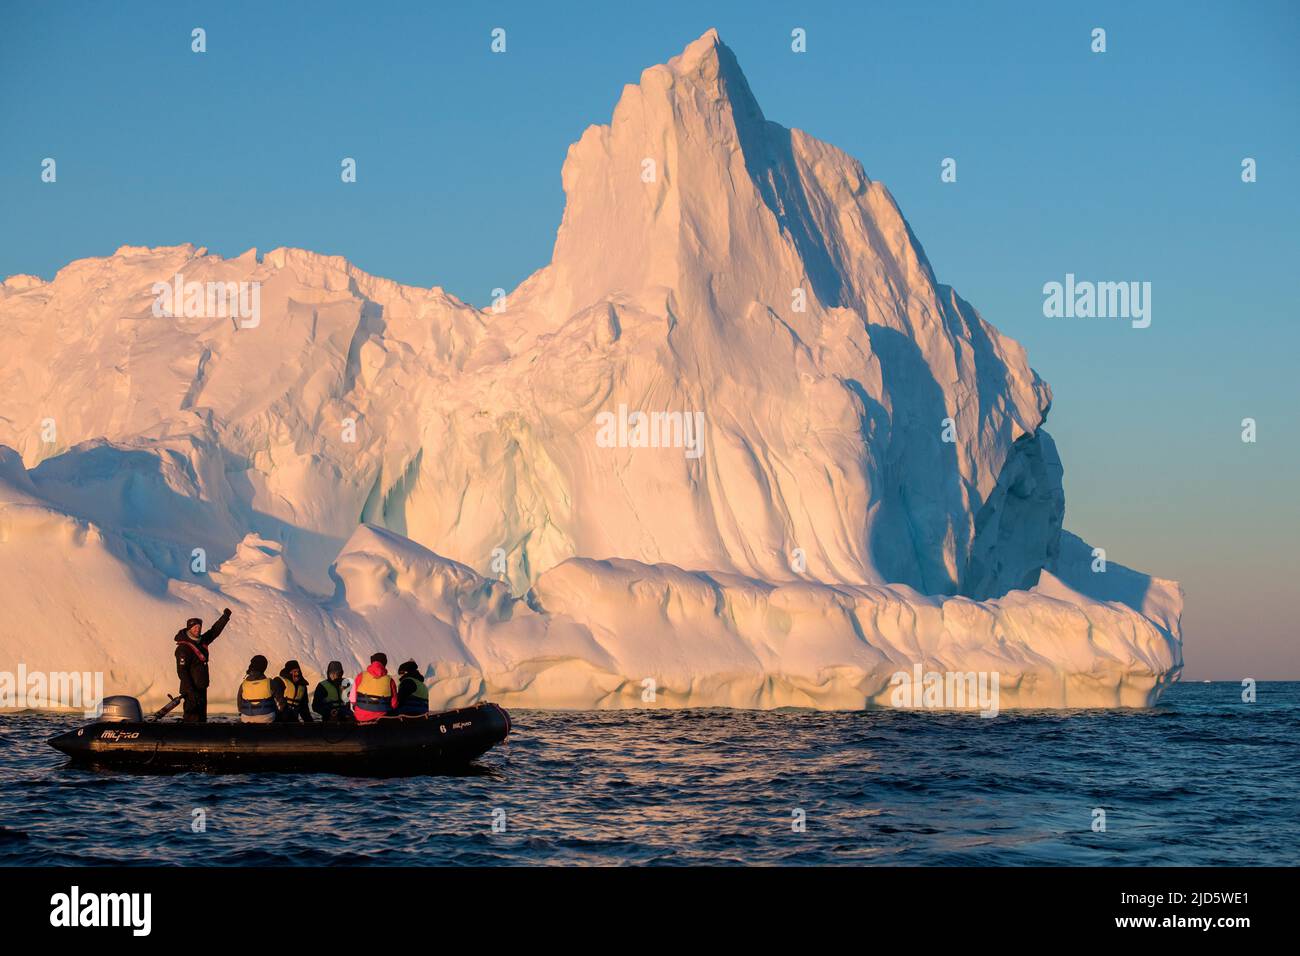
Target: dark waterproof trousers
{"type": "Point", "coordinates": [196, 704]}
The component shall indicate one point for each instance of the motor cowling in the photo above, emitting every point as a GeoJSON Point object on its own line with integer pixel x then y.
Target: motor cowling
{"type": "Point", "coordinates": [121, 709]}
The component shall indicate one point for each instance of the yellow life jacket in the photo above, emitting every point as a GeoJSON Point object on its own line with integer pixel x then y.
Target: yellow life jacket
{"type": "Point", "coordinates": [293, 693]}
{"type": "Point", "coordinates": [256, 699]}
{"type": "Point", "coordinates": [374, 694]}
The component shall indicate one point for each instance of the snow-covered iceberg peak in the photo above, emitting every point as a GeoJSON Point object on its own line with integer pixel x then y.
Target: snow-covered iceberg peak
{"type": "Point", "coordinates": [759, 276]}
{"type": "Point", "coordinates": [666, 190]}
{"type": "Point", "coordinates": [691, 189]}
{"type": "Point", "coordinates": [735, 439]}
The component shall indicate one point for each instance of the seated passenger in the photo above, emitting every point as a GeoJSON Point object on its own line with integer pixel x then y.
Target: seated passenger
{"type": "Point", "coordinates": [255, 700]}
{"type": "Point", "coordinates": [374, 693]}
{"type": "Point", "coordinates": [412, 693]}
{"type": "Point", "coordinates": [290, 690]}
{"type": "Point", "coordinates": [327, 700]}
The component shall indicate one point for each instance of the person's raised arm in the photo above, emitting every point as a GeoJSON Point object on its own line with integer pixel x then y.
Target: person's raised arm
{"type": "Point", "coordinates": [215, 630]}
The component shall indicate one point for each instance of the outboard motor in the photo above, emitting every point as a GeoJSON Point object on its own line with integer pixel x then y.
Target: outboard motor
{"type": "Point", "coordinates": [121, 709]}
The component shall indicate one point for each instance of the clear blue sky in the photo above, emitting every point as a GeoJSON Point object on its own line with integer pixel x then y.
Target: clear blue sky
{"type": "Point", "coordinates": [1123, 165]}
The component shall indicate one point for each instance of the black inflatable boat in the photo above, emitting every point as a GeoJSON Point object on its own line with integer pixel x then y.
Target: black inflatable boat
{"type": "Point", "coordinates": [431, 743]}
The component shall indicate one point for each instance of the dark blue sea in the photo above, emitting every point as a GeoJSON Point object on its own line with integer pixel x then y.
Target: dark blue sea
{"type": "Point", "coordinates": [1203, 778]}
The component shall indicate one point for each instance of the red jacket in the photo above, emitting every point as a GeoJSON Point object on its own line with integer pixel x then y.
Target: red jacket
{"type": "Point", "coordinates": [376, 673]}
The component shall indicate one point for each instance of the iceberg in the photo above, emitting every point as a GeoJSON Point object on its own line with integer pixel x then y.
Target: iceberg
{"type": "Point", "coordinates": [735, 445]}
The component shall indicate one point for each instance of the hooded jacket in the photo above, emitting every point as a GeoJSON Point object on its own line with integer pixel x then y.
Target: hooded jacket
{"type": "Point", "coordinates": [412, 694]}
{"type": "Point", "coordinates": [377, 672]}
{"type": "Point", "coordinates": [297, 710]}
{"type": "Point", "coordinates": [328, 700]}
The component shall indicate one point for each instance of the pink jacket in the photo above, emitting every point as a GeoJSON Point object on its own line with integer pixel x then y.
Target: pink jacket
{"type": "Point", "coordinates": [375, 669]}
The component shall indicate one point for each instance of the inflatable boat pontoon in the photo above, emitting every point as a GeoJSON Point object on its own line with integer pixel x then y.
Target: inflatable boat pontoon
{"type": "Point", "coordinates": [123, 739]}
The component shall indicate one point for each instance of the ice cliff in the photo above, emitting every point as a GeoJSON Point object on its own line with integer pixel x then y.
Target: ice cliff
{"type": "Point", "coordinates": [735, 445]}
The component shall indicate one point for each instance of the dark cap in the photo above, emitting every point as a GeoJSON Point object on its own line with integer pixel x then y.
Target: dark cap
{"type": "Point", "coordinates": [380, 658]}
{"type": "Point", "coordinates": [334, 668]}
{"type": "Point", "coordinates": [192, 621]}
{"type": "Point", "coordinates": [258, 663]}
{"type": "Point", "coordinates": [292, 666]}
{"type": "Point", "coordinates": [410, 667]}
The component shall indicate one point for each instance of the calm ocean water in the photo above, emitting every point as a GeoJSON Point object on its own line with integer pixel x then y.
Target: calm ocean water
{"type": "Point", "coordinates": [1201, 779]}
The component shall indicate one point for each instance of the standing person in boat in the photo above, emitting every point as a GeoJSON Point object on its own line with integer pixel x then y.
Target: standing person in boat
{"type": "Point", "coordinates": [374, 693]}
{"type": "Point", "coordinates": [256, 700]}
{"type": "Point", "coordinates": [192, 664]}
{"type": "Point", "coordinates": [327, 700]}
{"type": "Point", "coordinates": [290, 690]}
{"type": "Point", "coordinates": [412, 693]}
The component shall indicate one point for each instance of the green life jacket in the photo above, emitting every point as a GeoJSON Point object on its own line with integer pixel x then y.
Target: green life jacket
{"type": "Point", "coordinates": [417, 702]}
{"type": "Point", "coordinates": [333, 695]}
